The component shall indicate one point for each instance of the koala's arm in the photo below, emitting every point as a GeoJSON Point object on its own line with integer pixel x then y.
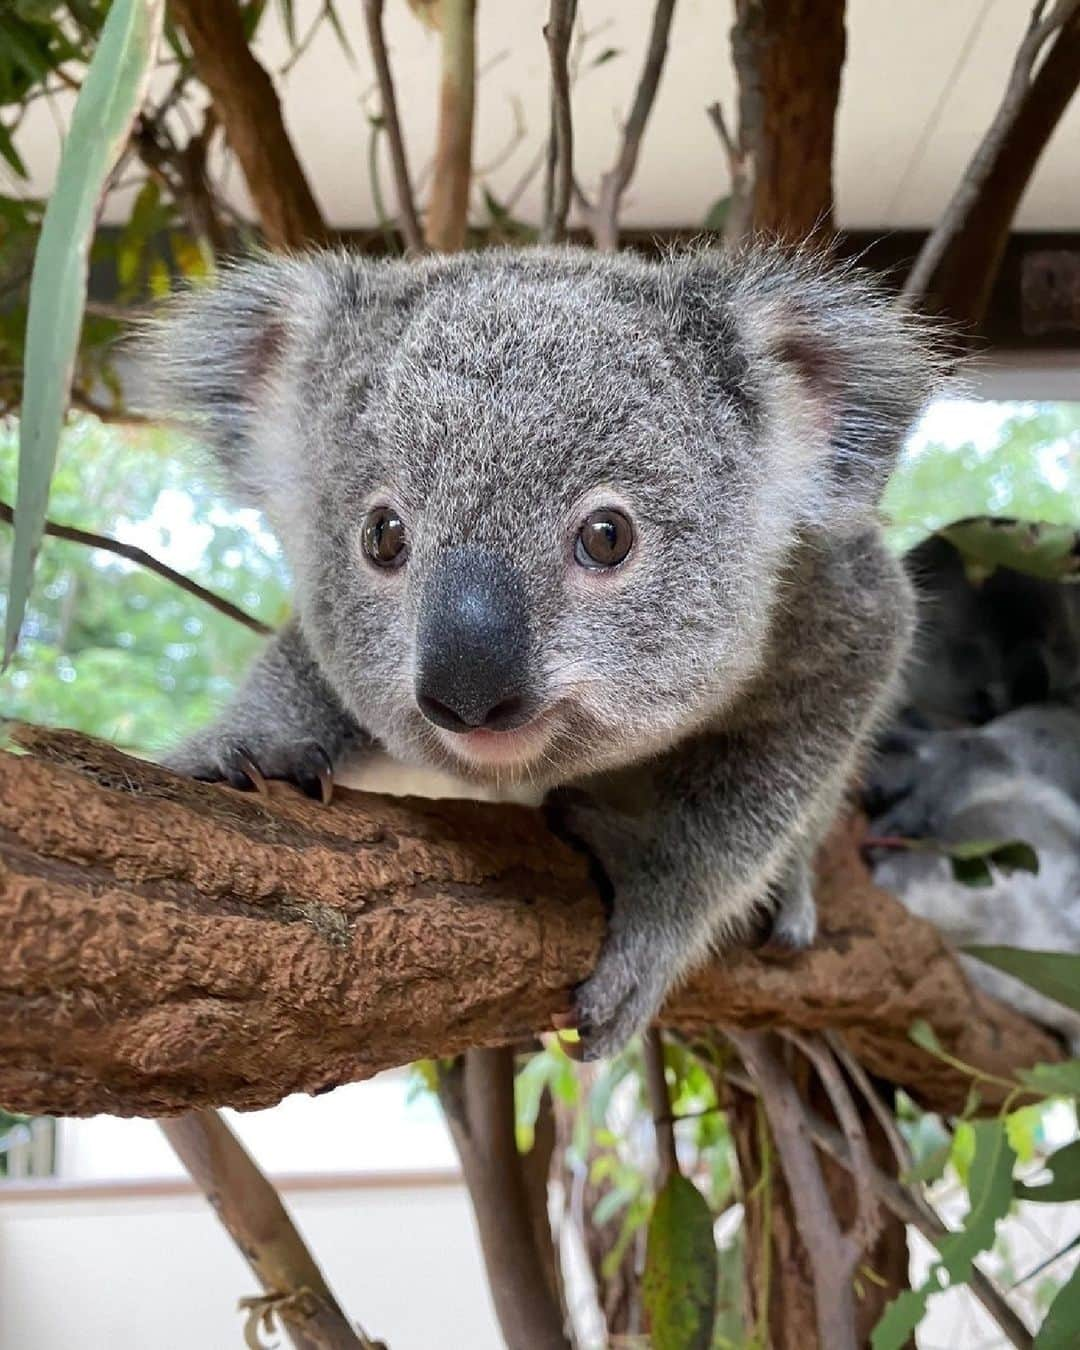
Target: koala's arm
{"type": "Point", "coordinates": [284, 719]}
{"type": "Point", "coordinates": [727, 822]}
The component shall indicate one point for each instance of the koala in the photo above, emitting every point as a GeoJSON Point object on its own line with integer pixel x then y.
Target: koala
{"type": "Point", "coordinates": [597, 524]}
{"type": "Point", "coordinates": [1016, 777]}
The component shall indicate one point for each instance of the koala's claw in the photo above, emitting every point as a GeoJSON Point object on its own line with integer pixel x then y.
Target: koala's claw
{"type": "Point", "coordinates": [612, 1006]}
{"type": "Point", "coordinates": [305, 764]}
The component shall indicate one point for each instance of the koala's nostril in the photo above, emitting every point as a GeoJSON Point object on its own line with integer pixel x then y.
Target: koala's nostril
{"type": "Point", "coordinates": [511, 712]}
{"type": "Point", "coordinates": [441, 714]}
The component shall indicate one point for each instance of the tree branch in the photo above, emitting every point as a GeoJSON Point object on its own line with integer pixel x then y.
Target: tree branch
{"type": "Point", "coordinates": [559, 179]}
{"type": "Point", "coordinates": [603, 217]}
{"type": "Point", "coordinates": [477, 1094]}
{"type": "Point", "coordinates": [959, 261]}
{"type": "Point", "coordinates": [448, 206]}
{"type": "Point", "coordinates": [408, 220]}
{"type": "Point", "coordinates": [168, 944]}
{"type": "Point", "coordinates": [660, 1103]}
{"type": "Point", "coordinates": [250, 113]}
{"type": "Point", "coordinates": [137, 555]}
{"type": "Point", "coordinates": [252, 1212]}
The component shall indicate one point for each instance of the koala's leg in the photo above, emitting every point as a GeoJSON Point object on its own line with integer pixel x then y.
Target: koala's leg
{"type": "Point", "coordinates": [718, 819]}
{"type": "Point", "coordinates": [791, 899]}
{"type": "Point", "coordinates": [283, 722]}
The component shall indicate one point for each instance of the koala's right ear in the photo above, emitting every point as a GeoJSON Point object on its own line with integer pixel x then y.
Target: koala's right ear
{"type": "Point", "coordinates": [224, 359]}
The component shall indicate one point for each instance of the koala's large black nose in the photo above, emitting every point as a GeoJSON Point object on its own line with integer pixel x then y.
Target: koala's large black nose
{"type": "Point", "coordinates": [473, 644]}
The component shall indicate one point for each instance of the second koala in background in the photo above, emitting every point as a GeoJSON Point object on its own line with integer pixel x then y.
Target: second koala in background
{"type": "Point", "coordinates": [598, 524]}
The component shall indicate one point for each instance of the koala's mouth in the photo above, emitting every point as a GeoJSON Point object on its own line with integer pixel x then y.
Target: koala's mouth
{"type": "Point", "coordinates": [497, 749]}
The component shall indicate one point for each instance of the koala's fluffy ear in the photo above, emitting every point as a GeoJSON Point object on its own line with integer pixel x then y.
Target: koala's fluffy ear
{"type": "Point", "coordinates": [228, 359]}
{"type": "Point", "coordinates": [825, 358]}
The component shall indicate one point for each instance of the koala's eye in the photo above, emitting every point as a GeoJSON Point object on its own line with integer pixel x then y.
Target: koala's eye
{"type": "Point", "coordinates": [604, 539]}
{"type": "Point", "coordinates": [384, 537]}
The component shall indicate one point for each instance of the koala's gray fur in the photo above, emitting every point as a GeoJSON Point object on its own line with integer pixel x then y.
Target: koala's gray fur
{"type": "Point", "coordinates": [708, 699]}
{"type": "Point", "coordinates": [1017, 777]}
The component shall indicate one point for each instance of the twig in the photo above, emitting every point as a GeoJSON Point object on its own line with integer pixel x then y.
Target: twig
{"type": "Point", "coordinates": [448, 205]}
{"type": "Point", "coordinates": [560, 158]}
{"type": "Point", "coordinates": [968, 191]}
{"type": "Point", "coordinates": [910, 1207]}
{"type": "Point", "coordinates": [603, 216]}
{"type": "Point", "coordinates": [251, 1210]}
{"type": "Point", "coordinates": [833, 1254]}
{"type": "Point", "coordinates": [885, 1118]}
{"type": "Point", "coordinates": [660, 1103]}
{"type": "Point", "coordinates": [740, 204]}
{"type": "Point", "coordinates": [867, 1224]}
{"type": "Point", "coordinates": [477, 1094]}
{"type": "Point", "coordinates": [137, 555]}
{"type": "Point", "coordinates": [408, 220]}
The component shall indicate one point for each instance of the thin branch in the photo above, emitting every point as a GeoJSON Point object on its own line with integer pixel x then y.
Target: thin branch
{"type": "Point", "coordinates": [660, 1103]}
{"type": "Point", "coordinates": [740, 198]}
{"type": "Point", "coordinates": [909, 1206]}
{"type": "Point", "coordinates": [559, 180]}
{"type": "Point", "coordinates": [867, 1223]}
{"type": "Point", "coordinates": [833, 1254]}
{"type": "Point", "coordinates": [477, 1093]}
{"type": "Point", "coordinates": [603, 217]}
{"type": "Point", "coordinates": [975, 178]}
{"type": "Point", "coordinates": [251, 1209]}
{"type": "Point", "coordinates": [885, 1118]}
{"type": "Point", "coordinates": [448, 206]}
{"type": "Point", "coordinates": [408, 220]}
{"type": "Point", "coordinates": [137, 555]}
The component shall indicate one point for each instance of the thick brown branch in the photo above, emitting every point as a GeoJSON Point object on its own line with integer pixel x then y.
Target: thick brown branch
{"type": "Point", "coordinates": [250, 113]}
{"type": "Point", "coordinates": [252, 1212]}
{"type": "Point", "coordinates": [477, 1094]}
{"type": "Point", "coordinates": [137, 555]}
{"type": "Point", "coordinates": [167, 944]}
{"type": "Point", "coordinates": [408, 220]}
{"type": "Point", "coordinates": [448, 207]}
{"type": "Point", "coordinates": [957, 265]}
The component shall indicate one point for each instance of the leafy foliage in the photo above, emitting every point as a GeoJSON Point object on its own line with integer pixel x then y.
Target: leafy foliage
{"type": "Point", "coordinates": [681, 1272]}
{"type": "Point", "coordinates": [1055, 974]}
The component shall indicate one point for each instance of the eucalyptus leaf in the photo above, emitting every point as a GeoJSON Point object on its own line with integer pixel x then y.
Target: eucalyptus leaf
{"type": "Point", "coordinates": [1053, 1080]}
{"type": "Point", "coordinates": [111, 94]}
{"type": "Point", "coordinates": [1061, 1325]}
{"type": "Point", "coordinates": [681, 1269]}
{"type": "Point", "coordinates": [1064, 1167]}
{"type": "Point", "coordinates": [990, 1191]}
{"type": "Point", "coordinates": [1051, 552]}
{"type": "Point", "coordinates": [1055, 974]}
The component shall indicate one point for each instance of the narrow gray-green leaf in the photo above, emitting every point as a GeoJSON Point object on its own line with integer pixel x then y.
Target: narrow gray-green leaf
{"type": "Point", "coordinates": [1061, 1325]}
{"type": "Point", "coordinates": [1053, 1080]}
{"type": "Point", "coordinates": [1064, 1167]}
{"type": "Point", "coordinates": [1055, 974]}
{"type": "Point", "coordinates": [111, 94]}
{"type": "Point", "coordinates": [681, 1269]}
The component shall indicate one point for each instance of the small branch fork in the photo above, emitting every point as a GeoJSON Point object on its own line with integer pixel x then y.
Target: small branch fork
{"type": "Point", "coordinates": [603, 216]}
{"type": "Point", "coordinates": [1041, 29]}
{"type": "Point", "coordinates": [408, 219]}
{"type": "Point", "coordinates": [137, 555]}
{"type": "Point", "coordinates": [251, 1210]}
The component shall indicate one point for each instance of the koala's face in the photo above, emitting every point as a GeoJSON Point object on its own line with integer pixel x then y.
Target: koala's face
{"type": "Point", "coordinates": [536, 504]}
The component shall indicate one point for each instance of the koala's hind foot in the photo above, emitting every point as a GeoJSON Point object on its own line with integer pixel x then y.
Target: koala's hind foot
{"type": "Point", "coordinates": [246, 764]}
{"type": "Point", "coordinates": [793, 910]}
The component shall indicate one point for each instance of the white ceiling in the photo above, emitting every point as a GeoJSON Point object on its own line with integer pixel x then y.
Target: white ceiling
{"type": "Point", "coordinates": [906, 71]}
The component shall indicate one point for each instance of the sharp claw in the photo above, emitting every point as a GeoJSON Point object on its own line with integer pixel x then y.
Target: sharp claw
{"type": "Point", "coordinates": [325, 776]}
{"type": "Point", "coordinates": [246, 761]}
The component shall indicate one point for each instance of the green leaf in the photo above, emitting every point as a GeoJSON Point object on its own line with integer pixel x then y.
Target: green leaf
{"type": "Point", "coordinates": [602, 58]}
{"type": "Point", "coordinates": [930, 1168]}
{"type": "Point", "coordinates": [990, 1191]}
{"type": "Point", "coordinates": [1055, 974]}
{"type": "Point", "coordinates": [112, 92]}
{"type": "Point", "coordinates": [1053, 1080]}
{"type": "Point", "coordinates": [1064, 1167]}
{"type": "Point", "coordinates": [971, 860]}
{"type": "Point", "coordinates": [1061, 1325]}
{"type": "Point", "coordinates": [7, 149]}
{"type": "Point", "coordinates": [1051, 552]}
{"type": "Point", "coordinates": [924, 1036]}
{"type": "Point", "coordinates": [681, 1269]}
{"type": "Point", "coordinates": [717, 214]}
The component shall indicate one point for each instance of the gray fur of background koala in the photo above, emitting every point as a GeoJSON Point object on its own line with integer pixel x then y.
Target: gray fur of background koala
{"type": "Point", "coordinates": [708, 699]}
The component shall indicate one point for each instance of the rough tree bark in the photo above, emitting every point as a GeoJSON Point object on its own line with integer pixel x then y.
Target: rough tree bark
{"type": "Point", "coordinates": [250, 113]}
{"type": "Point", "coordinates": [166, 944]}
{"type": "Point", "coordinates": [788, 57]}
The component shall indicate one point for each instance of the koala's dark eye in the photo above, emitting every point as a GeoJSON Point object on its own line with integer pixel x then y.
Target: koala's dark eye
{"type": "Point", "coordinates": [604, 539]}
{"type": "Point", "coordinates": [384, 537]}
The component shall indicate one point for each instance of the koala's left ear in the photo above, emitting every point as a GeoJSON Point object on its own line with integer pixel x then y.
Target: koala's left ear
{"type": "Point", "coordinates": [820, 354]}
{"type": "Point", "coordinates": [229, 359]}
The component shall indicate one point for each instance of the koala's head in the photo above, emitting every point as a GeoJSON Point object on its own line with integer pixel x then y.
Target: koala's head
{"type": "Point", "coordinates": [537, 503]}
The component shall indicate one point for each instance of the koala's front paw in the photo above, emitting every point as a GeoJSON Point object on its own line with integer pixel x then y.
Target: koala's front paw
{"type": "Point", "coordinates": [619, 999]}
{"type": "Point", "coordinates": [794, 913]}
{"type": "Point", "coordinates": [246, 762]}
